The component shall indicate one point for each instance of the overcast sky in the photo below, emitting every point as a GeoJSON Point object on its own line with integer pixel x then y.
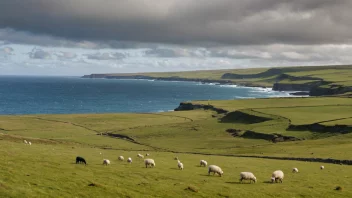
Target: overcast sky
{"type": "Point", "coordinates": [77, 37]}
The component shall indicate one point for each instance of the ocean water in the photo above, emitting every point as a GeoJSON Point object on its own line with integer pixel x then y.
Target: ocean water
{"type": "Point", "coordinates": [68, 95]}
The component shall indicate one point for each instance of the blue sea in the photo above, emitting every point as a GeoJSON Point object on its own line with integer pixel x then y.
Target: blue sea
{"type": "Point", "coordinates": [68, 95]}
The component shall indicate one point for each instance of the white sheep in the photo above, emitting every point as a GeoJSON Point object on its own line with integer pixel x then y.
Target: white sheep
{"type": "Point", "coordinates": [247, 176]}
{"type": "Point", "coordinates": [106, 162]}
{"type": "Point", "coordinates": [277, 175]}
{"type": "Point", "coordinates": [121, 158]}
{"type": "Point", "coordinates": [203, 163]}
{"type": "Point", "coordinates": [149, 162]}
{"type": "Point", "coordinates": [322, 167]}
{"type": "Point", "coordinates": [147, 154]}
{"type": "Point", "coordinates": [215, 169]}
{"type": "Point", "coordinates": [295, 170]}
{"type": "Point", "coordinates": [129, 160]}
{"type": "Point", "coordinates": [25, 141]}
{"type": "Point", "coordinates": [140, 155]}
{"type": "Point", "coordinates": [30, 143]}
{"type": "Point", "coordinates": [180, 164]}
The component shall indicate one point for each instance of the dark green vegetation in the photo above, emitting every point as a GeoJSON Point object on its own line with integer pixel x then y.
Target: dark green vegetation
{"type": "Point", "coordinates": [239, 138]}
{"type": "Point", "coordinates": [316, 80]}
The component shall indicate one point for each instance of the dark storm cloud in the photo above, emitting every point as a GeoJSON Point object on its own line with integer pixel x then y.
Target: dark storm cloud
{"type": "Point", "coordinates": [39, 54]}
{"type": "Point", "coordinates": [232, 22]}
{"type": "Point", "coordinates": [167, 53]}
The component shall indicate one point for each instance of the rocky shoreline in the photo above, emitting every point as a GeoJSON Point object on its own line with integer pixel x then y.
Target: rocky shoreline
{"type": "Point", "coordinates": [318, 87]}
{"type": "Point", "coordinates": [297, 92]}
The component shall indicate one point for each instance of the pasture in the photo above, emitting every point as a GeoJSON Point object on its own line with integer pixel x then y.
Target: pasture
{"type": "Point", "coordinates": [47, 168]}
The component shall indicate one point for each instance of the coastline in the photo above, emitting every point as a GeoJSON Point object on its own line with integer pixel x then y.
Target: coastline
{"type": "Point", "coordinates": [62, 95]}
{"type": "Point", "coordinates": [291, 92]}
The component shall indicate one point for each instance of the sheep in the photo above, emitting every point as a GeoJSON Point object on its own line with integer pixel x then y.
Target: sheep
{"type": "Point", "coordinates": [247, 176]}
{"type": "Point", "coordinates": [121, 158]}
{"type": "Point", "coordinates": [295, 170]}
{"type": "Point", "coordinates": [80, 160]}
{"type": "Point", "coordinates": [149, 162]}
{"type": "Point", "coordinates": [25, 141]}
{"type": "Point", "coordinates": [322, 167]}
{"type": "Point", "coordinates": [180, 164]}
{"type": "Point", "coordinates": [215, 169]}
{"type": "Point", "coordinates": [147, 154]}
{"type": "Point", "coordinates": [277, 175]}
{"type": "Point", "coordinates": [140, 155]}
{"type": "Point", "coordinates": [203, 163]}
{"type": "Point", "coordinates": [106, 162]}
{"type": "Point", "coordinates": [129, 160]}
{"type": "Point", "coordinates": [176, 158]}
{"type": "Point", "coordinates": [30, 143]}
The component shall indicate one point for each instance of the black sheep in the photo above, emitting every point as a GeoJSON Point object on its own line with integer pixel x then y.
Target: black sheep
{"type": "Point", "coordinates": [80, 160]}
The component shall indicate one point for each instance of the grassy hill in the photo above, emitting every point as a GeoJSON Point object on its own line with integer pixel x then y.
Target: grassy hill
{"type": "Point", "coordinates": [257, 135]}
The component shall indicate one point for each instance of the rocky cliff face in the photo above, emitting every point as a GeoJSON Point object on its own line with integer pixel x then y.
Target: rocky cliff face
{"type": "Point", "coordinates": [333, 90]}
{"type": "Point", "coordinates": [184, 106]}
{"type": "Point", "coordinates": [320, 128]}
{"type": "Point", "coordinates": [297, 87]}
{"type": "Point", "coordinates": [95, 76]}
{"type": "Point", "coordinates": [291, 87]}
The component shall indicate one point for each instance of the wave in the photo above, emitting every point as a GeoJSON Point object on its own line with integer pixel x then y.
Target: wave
{"type": "Point", "coordinates": [243, 97]}
{"type": "Point", "coordinates": [261, 90]}
{"type": "Point", "coordinates": [201, 83]}
{"type": "Point", "coordinates": [233, 86]}
{"type": "Point", "coordinates": [163, 111]}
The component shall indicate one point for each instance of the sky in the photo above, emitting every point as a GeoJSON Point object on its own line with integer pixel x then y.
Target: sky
{"type": "Point", "coordinates": [77, 37]}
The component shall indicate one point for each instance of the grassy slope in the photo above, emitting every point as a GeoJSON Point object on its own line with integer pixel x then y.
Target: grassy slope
{"type": "Point", "coordinates": [233, 105]}
{"type": "Point", "coordinates": [48, 171]}
{"type": "Point", "coordinates": [47, 167]}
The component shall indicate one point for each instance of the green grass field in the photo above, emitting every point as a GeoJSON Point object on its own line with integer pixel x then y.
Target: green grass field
{"type": "Point", "coordinates": [47, 168]}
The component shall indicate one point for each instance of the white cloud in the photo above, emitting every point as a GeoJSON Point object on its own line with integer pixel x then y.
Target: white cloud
{"type": "Point", "coordinates": [29, 59]}
{"type": "Point", "coordinates": [294, 55]}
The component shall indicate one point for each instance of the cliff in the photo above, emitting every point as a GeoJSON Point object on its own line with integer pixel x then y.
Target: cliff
{"type": "Point", "coordinates": [185, 106]}
{"type": "Point", "coordinates": [173, 78]}
{"type": "Point", "coordinates": [281, 79]}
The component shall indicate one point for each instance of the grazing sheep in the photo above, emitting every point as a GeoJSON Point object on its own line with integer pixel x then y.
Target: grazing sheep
{"type": "Point", "coordinates": [140, 155]}
{"type": "Point", "coordinates": [322, 167]}
{"type": "Point", "coordinates": [295, 170]}
{"type": "Point", "coordinates": [180, 164]}
{"type": "Point", "coordinates": [203, 163]}
{"type": "Point", "coordinates": [80, 160]}
{"type": "Point", "coordinates": [147, 154]}
{"type": "Point", "coordinates": [247, 176]}
{"type": "Point", "coordinates": [121, 158]}
{"type": "Point", "coordinates": [129, 160]}
{"type": "Point", "coordinates": [30, 143]}
{"type": "Point", "coordinates": [277, 175]}
{"type": "Point", "coordinates": [149, 162]}
{"type": "Point", "coordinates": [215, 169]}
{"type": "Point", "coordinates": [25, 141]}
{"type": "Point", "coordinates": [106, 162]}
